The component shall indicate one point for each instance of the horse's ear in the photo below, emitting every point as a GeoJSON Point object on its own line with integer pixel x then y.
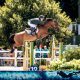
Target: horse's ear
{"type": "Point", "coordinates": [49, 19]}
{"type": "Point", "coordinates": [45, 17]}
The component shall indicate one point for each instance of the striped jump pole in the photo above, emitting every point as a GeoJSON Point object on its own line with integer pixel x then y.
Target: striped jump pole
{"type": "Point", "coordinates": [28, 55]}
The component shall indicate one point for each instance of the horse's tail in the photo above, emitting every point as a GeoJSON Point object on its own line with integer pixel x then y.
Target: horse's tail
{"type": "Point", "coordinates": [11, 39]}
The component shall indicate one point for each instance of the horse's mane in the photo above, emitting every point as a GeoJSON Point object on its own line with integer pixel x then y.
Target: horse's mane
{"type": "Point", "coordinates": [46, 21]}
{"type": "Point", "coordinates": [49, 19]}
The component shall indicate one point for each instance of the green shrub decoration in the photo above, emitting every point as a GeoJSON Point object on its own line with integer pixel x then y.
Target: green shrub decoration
{"type": "Point", "coordinates": [71, 54]}
{"type": "Point", "coordinates": [61, 65]}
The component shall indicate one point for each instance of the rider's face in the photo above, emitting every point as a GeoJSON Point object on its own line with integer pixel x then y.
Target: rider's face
{"type": "Point", "coordinates": [42, 19]}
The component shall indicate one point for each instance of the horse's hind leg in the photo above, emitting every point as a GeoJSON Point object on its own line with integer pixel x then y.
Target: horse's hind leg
{"type": "Point", "coordinates": [12, 49]}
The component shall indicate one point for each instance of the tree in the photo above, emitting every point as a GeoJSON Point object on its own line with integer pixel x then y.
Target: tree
{"type": "Point", "coordinates": [2, 2]}
{"type": "Point", "coordinates": [14, 15]}
{"type": "Point", "coordinates": [70, 7]}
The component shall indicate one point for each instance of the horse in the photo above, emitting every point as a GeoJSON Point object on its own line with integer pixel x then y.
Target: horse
{"type": "Point", "coordinates": [17, 39]}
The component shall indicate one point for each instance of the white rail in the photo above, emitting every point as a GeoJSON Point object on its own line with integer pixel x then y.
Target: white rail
{"type": "Point", "coordinates": [4, 51]}
{"type": "Point", "coordinates": [15, 57]}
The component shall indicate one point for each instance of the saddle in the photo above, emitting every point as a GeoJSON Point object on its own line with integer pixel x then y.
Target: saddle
{"type": "Point", "coordinates": [28, 31]}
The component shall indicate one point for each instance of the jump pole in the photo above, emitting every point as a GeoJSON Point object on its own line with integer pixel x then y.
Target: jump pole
{"type": "Point", "coordinates": [28, 55]}
{"type": "Point", "coordinates": [15, 61]}
{"type": "Point", "coordinates": [60, 50]}
{"type": "Point", "coordinates": [53, 46]}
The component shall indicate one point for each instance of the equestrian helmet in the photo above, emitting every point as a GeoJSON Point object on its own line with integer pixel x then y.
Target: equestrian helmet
{"type": "Point", "coordinates": [41, 16]}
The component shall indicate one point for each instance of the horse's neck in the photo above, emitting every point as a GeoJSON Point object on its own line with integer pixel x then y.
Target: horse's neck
{"type": "Point", "coordinates": [46, 27]}
{"type": "Point", "coordinates": [43, 27]}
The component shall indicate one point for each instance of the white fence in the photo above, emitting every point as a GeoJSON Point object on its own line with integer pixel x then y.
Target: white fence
{"type": "Point", "coordinates": [18, 56]}
{"type": "Point", "coordinates": [6, 56]}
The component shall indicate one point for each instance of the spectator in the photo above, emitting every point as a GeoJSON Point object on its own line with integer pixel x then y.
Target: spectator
{"type": "Point", "coordinates": [37, 54]}
{"type": "Point", "coordinates": [41, 49]}
{"type": "Point", "coordinates": [45, 55]}
{"type": "Point", "coordinates": [45, 48]}
{"type": "Point", "coordinates": [36, 48]}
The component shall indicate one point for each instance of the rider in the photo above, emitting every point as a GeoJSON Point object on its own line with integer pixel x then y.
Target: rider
{"type": "Point", "coordinates": [34, 22]}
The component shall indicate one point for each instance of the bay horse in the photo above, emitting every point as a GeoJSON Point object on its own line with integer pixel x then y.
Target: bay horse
{"type": "Point", "coordinates": [17, 39]}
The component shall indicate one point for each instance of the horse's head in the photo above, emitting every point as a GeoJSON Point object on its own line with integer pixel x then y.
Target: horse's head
{"type": "Point", "coordinates": [53, 24]}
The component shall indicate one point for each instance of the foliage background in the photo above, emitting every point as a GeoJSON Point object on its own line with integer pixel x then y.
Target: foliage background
{"type": "Point", "coordinates": [14, 16]}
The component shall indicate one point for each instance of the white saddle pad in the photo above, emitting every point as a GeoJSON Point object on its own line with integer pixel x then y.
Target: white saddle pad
{"type": "Point", "coordinates": [29, 31]}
